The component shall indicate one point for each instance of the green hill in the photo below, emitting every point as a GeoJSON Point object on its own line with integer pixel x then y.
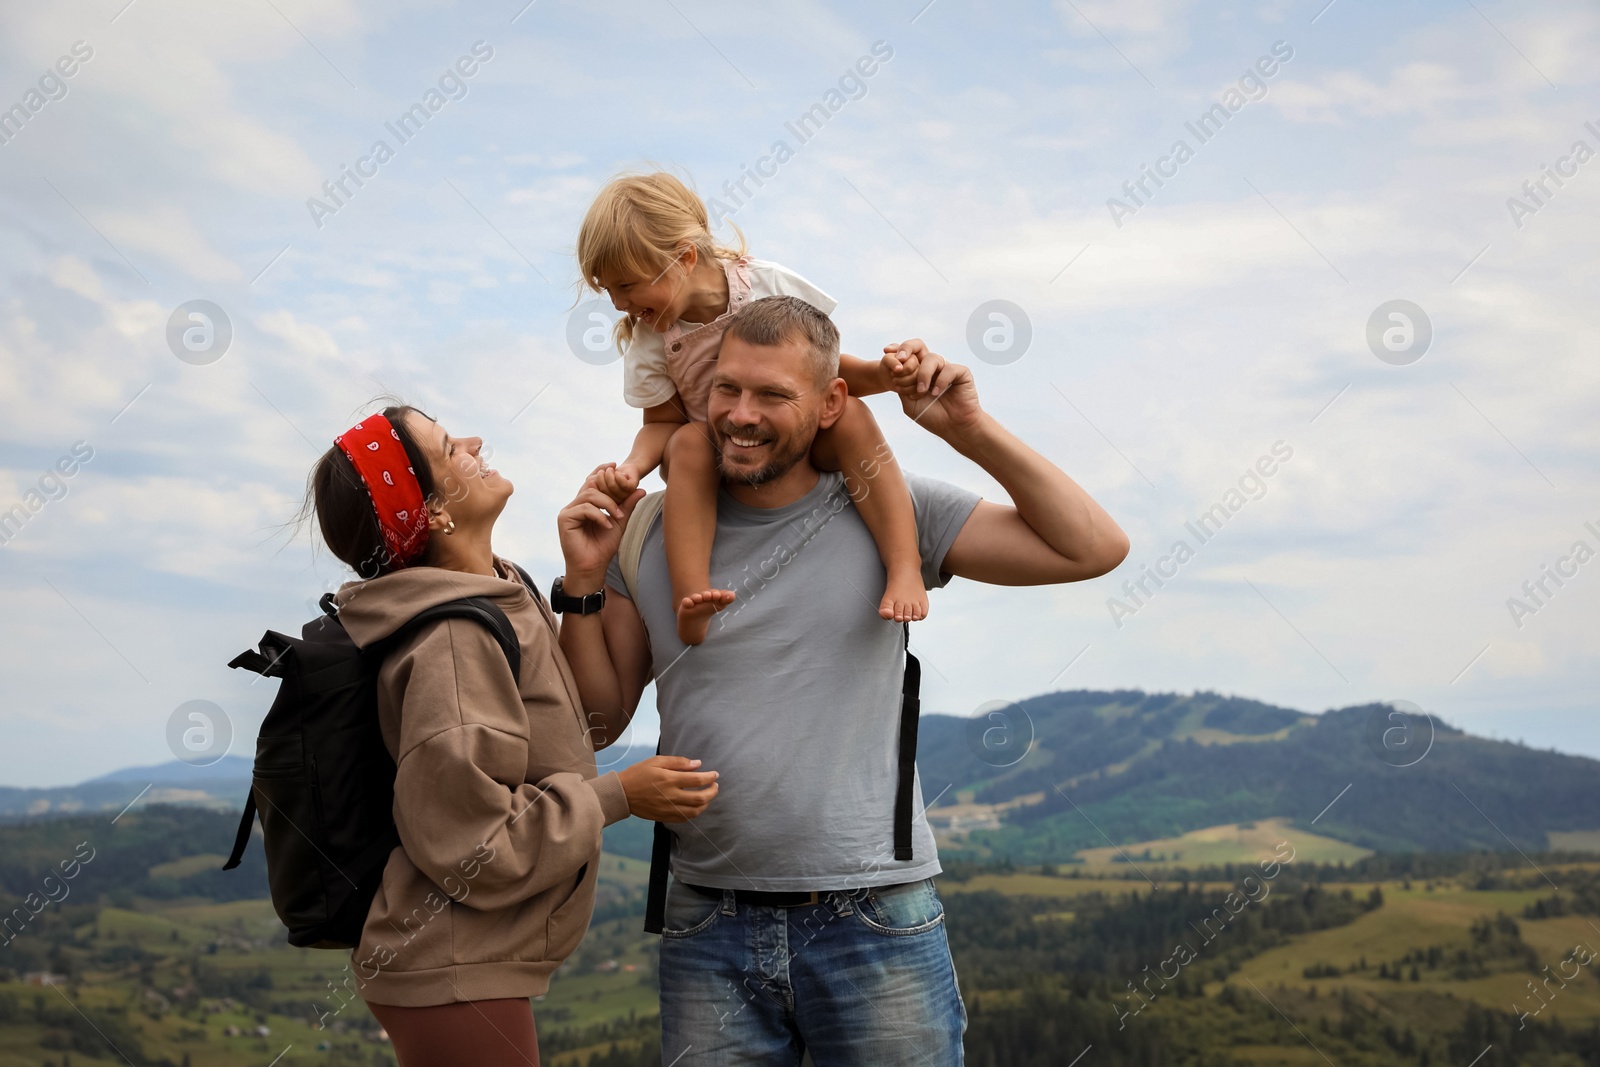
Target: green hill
{"type": "Point", "coordinates": [156, 958]}
{"type": "Point", "coordinates": [1128, 766]}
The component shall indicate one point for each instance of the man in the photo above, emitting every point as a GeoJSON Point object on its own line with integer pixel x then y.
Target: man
{"type": "Point", "coordinates": [789, 924]}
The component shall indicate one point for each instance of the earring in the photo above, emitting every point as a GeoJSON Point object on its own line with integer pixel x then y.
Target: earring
{"type": "Point", "coordinates": [450, 529]}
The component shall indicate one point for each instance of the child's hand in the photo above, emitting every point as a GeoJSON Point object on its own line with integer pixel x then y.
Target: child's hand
{"type": "Point", "coordinates": [899, 365]}
{"type": "Point", "coordinates": [920, 367]}
{"type": "Point", "coordinates": [591, 530]}
{"type": "Point", "coordinates": [618, 481]}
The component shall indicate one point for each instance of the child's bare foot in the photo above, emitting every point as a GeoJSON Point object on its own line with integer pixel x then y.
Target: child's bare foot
{"type": "Point", "coordinates": [695, 611]}
{"type": "Point", "coordinates": [905, 599]}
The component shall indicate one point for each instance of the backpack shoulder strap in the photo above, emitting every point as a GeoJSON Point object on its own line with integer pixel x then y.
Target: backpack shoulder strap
{"type": "Point", "coordinates": [655, 904]}
{"type": "Point", "coordinates": [910, 712]}
{"type": "Point", "coordinates": [538, 600]}
{"type": "Point", "coordinates": [632, 547]}
{"type": "Point", "coordinates": [479, 609]}
{"type": "Point", "coordinates": [242, 837]}
{"type": "Point", "coordinates": [655, 908]}
{"type": "Point", "coordinates": [527, 580]}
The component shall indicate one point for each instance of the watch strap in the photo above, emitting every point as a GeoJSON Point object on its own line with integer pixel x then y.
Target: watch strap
{"type": "Point", "coordinates": [565, 604]}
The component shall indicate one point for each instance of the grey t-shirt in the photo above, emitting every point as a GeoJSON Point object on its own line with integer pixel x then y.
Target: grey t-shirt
{"type": "Point", "coordinates": [794, 698]}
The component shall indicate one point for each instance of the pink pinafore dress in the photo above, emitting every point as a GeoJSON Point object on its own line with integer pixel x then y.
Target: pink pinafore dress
{"type": "Point", "coordinates": [692, 348]}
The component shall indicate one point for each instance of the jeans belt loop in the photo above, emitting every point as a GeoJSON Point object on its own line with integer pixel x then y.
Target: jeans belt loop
{"type": "Point", "coordinates": [729, 906]}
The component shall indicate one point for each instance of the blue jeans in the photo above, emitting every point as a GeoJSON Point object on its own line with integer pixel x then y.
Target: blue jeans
{"type": "Point", "coordinates": [862, 977]}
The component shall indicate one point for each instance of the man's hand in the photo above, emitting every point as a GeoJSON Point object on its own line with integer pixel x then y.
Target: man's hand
{"type": "Point", "coordinates": [591, 532]}
{"type": "Point", "coordinates": [1053, 532]}
{"type": "Point", "coordinates": [939, 395]}
{"type": "Point", "coordinates": [668, 788]}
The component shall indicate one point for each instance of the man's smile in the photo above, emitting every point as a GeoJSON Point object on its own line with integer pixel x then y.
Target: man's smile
{"type": "Point", "coordinates": [744, 440]}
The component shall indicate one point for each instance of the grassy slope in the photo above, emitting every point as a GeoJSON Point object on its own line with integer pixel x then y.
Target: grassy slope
{"type": "Point", "coordinates": [587, 990]}
{"type": "Point", "coordinates": [1412, 919]}
{"type": "Point", "coordinates": [1417, 918]}
{"type": "Point", "coordinates": [248, 937]}
{"type": "Point", "coordinates": [1229, 843]}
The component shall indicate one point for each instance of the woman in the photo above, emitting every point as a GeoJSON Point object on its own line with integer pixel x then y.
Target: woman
{"type": "Point", "coordinates": [496, 798]}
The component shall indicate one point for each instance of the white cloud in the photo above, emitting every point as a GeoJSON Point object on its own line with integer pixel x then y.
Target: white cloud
{"type": "Point", "coordinates": [301, 337]}
{"type": "Point", "coordinates": [1149, 32]}
{"type": "Point", "coordinates": [168, 232]}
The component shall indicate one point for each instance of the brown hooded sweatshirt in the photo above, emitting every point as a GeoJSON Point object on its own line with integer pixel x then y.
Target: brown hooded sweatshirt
{"type": "Point", "coordinates": [495, 797]}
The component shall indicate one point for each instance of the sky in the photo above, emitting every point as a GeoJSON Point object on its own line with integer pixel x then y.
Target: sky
{"type": "Point", "coordinates": [1166, 340]}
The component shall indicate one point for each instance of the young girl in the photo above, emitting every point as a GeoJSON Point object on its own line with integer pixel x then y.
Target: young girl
{"type": "Point", "coordinates": [646, 242]}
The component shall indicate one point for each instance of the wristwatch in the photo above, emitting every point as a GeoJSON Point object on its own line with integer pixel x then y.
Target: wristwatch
{"type": "Point", "coordinates": [587, 604]}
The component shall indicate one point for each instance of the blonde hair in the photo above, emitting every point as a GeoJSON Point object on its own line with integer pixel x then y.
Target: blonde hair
{"type": "Point", "coordinates": [638, 227]}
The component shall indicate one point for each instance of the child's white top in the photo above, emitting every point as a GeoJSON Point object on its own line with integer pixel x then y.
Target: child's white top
{"type": "Point", "coordinates": [680, 358]}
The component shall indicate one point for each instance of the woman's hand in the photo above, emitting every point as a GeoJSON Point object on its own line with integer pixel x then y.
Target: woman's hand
{"type": "Point", "coordinates": [591, 531]}
{"type": "Point", "coordinates": [667, 788]}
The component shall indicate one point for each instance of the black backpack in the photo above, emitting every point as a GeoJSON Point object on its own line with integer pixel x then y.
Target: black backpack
{"type": "Point", "coordinates": [323, 782]}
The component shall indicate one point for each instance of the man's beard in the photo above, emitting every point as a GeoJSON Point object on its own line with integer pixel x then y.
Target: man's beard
{"type": "Point", "coordinates": [786, 453]}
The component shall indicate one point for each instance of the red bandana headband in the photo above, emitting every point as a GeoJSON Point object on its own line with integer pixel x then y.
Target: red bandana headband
{"type": "Point", "coordinates": [380, 459]}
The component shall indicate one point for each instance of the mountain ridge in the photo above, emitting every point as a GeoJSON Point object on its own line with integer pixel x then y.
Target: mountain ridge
{"type": "Point", "coordinates": [220, 786]}
{"type": "Point", "coordinates": [1042, 778]}
{"type": "Point", "coordinates": [1104, 767]}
